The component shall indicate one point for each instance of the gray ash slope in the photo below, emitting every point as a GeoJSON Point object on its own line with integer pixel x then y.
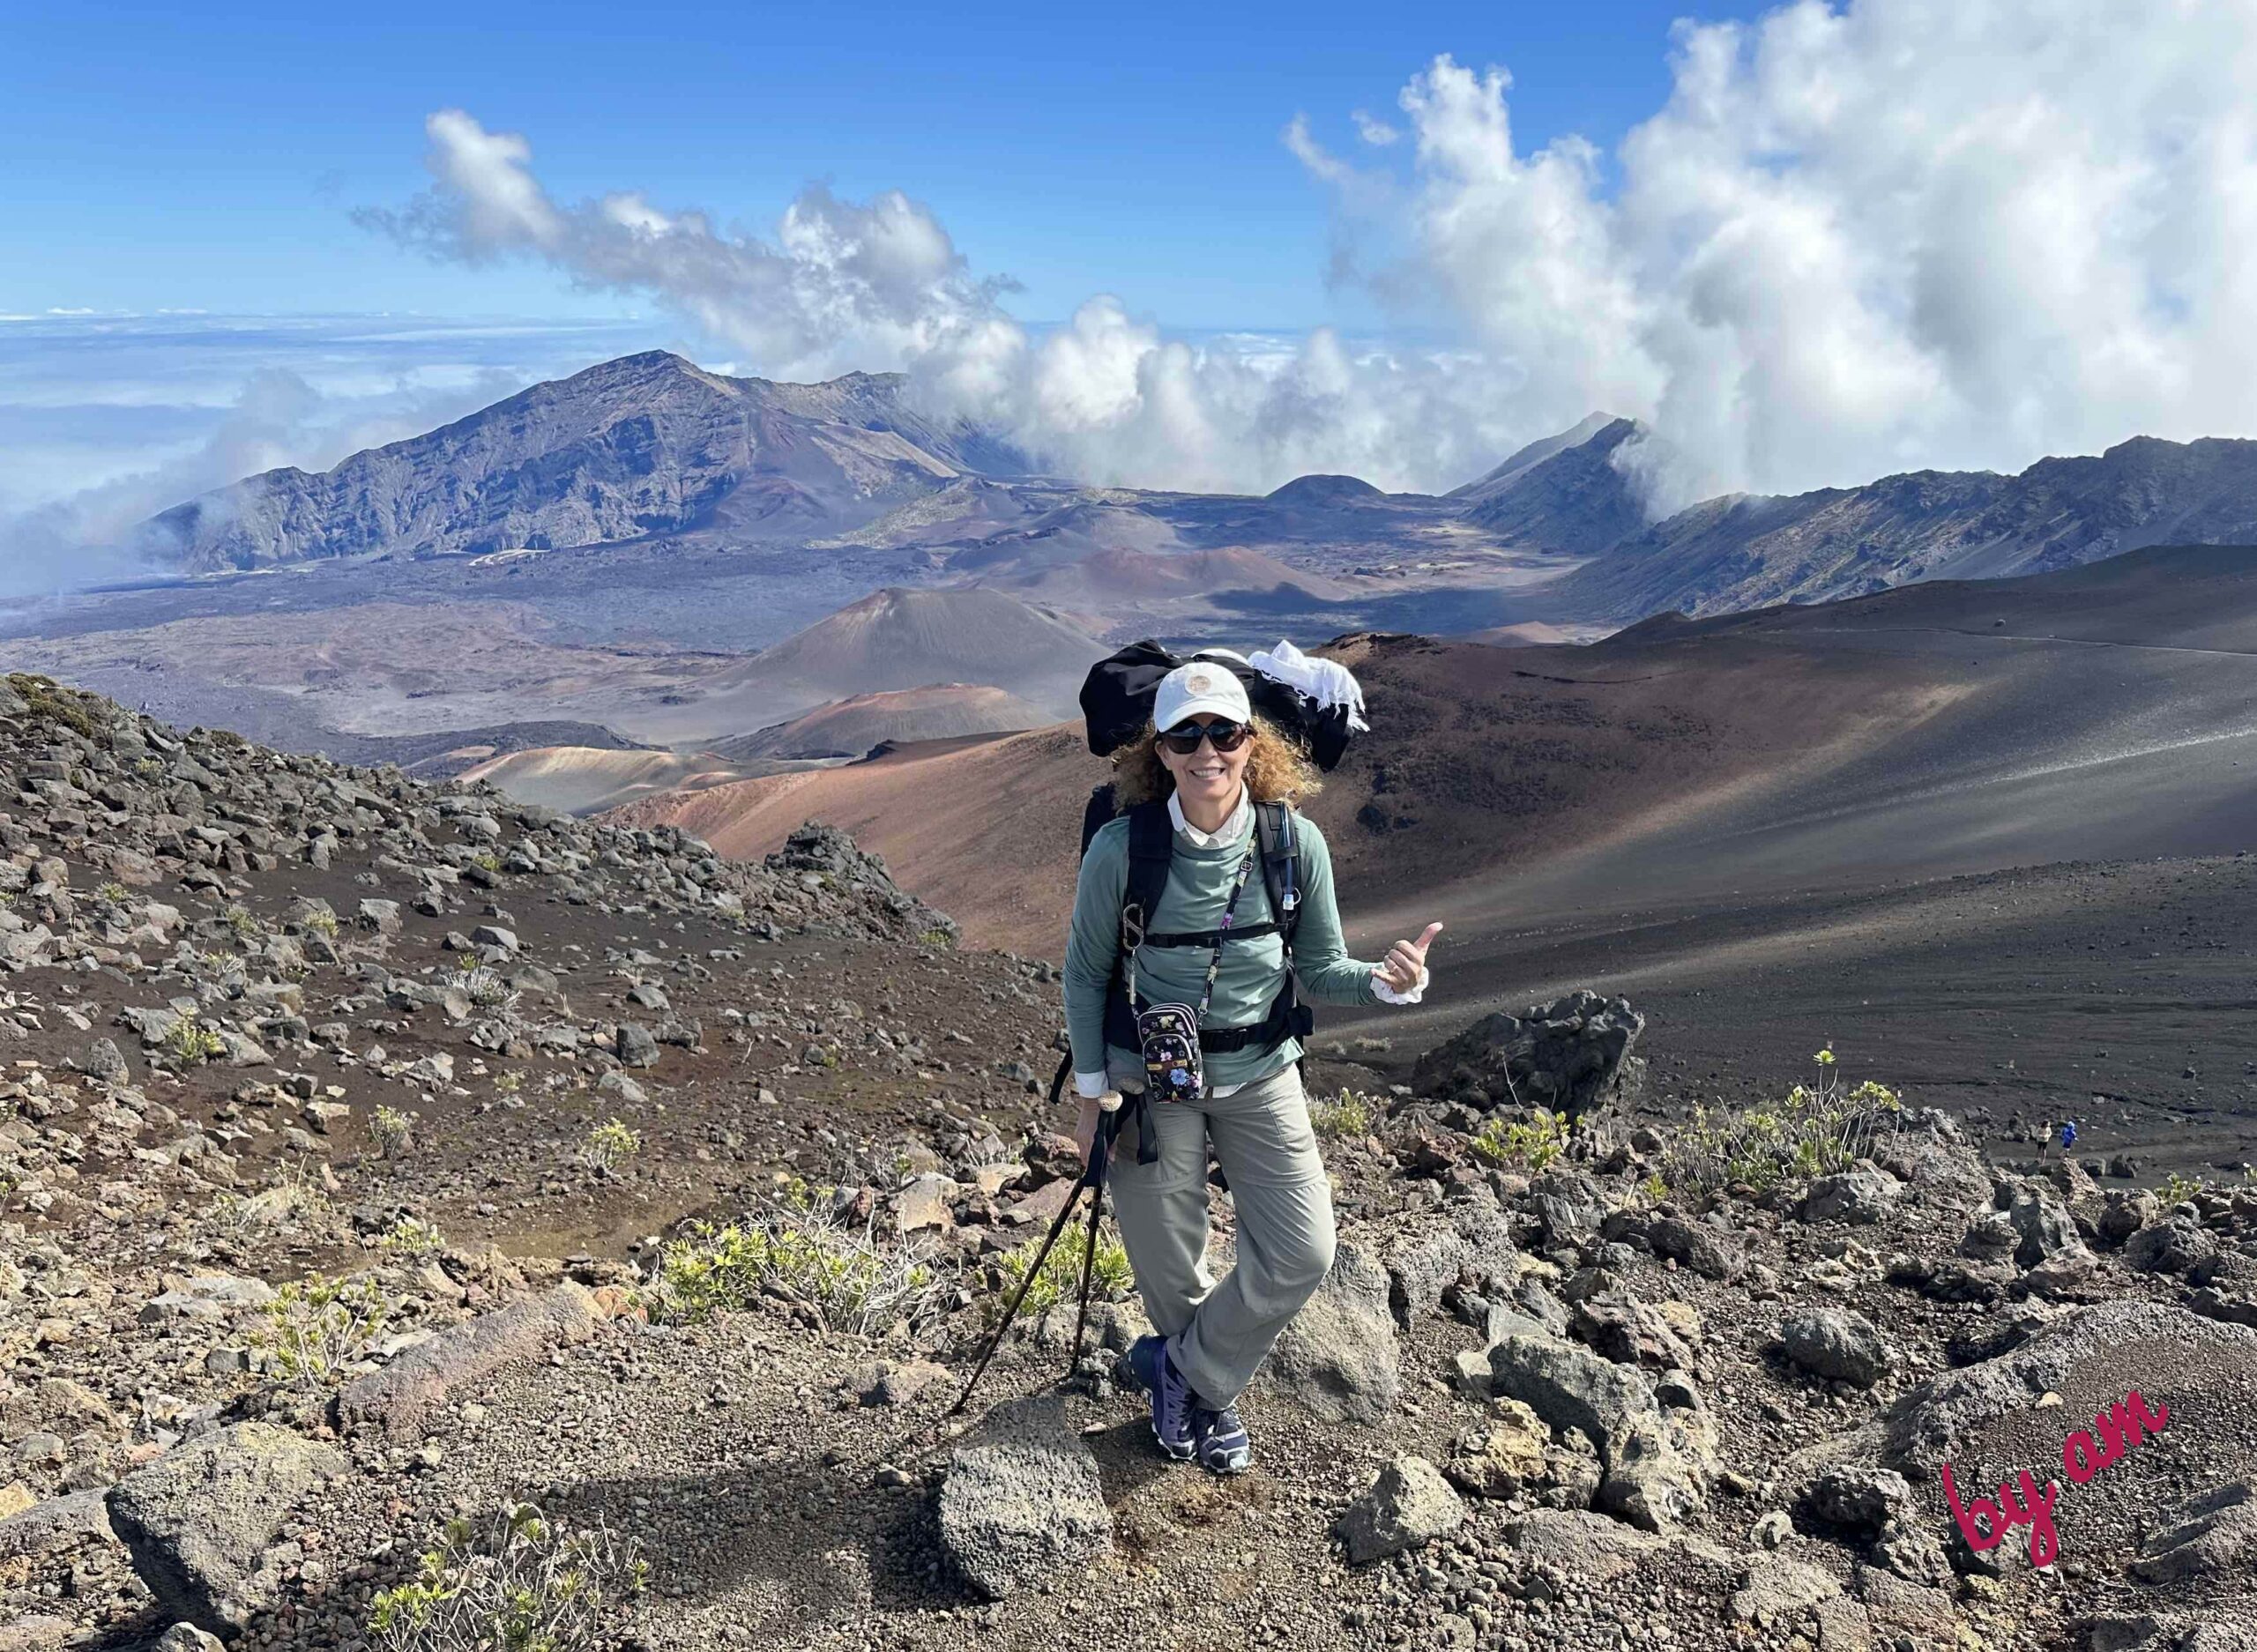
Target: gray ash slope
{"type": "Point", "coordinates": [1531, 1405]}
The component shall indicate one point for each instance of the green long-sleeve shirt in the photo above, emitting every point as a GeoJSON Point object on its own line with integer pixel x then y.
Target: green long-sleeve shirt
{"type": "Point", "coordinates": [1252, 971]}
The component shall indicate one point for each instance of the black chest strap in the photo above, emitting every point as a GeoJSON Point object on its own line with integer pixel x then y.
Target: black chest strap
{"type": "Point", "coordinates": [1152, 848]}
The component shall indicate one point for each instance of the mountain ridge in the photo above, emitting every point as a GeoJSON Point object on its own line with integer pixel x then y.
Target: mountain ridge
{"type": "Point", "coordinates": [641, 445]}
{"type": "Point", "coordinates": [1743, 552]}
{"type": "Point", "coordinates": [652, 450]}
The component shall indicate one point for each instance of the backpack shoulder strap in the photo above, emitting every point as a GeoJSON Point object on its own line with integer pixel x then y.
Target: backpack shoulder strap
{"type": "Point", "coordinates": [1151, 847]}
{"type": "Point", "coordinates": [1096, 812]}
{"type": "Point", "coordinates": [1278, 828]}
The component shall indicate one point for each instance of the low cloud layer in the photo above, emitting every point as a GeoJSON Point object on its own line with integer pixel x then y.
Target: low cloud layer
{"type": "Point", "coordinates": [1903, 233]}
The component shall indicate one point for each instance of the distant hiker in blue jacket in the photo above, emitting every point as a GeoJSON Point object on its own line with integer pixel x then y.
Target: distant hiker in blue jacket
{"type": "Point", "coordinates": [1214, 946]}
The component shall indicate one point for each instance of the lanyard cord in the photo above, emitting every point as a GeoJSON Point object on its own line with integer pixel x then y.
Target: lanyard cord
{"type": "Point", "coordinates": [1222, 935]}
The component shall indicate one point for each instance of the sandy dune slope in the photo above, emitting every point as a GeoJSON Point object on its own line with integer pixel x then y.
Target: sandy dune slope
{"type": "Point", "coordinates": [580, 778]}
{"type": "Point", "coordinates": [894, 638]}
{"type": "Point", "coordinates": [851, 727]}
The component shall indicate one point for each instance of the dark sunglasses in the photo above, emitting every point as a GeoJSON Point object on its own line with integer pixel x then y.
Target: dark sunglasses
{"type": "Point", "coordinates": [1184, 739]}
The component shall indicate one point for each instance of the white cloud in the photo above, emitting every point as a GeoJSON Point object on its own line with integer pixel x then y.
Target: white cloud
{"type": "Point", "coordinates": [842, 285]}
{"type": "Point", "coordinates": [1312, 154]}
{"type": "Point", "coordinates": [1904, 233]}
{"type": "Point", "coordinates": [1374, 130]}
{"type": "Point", "coordinates": [879, 285]}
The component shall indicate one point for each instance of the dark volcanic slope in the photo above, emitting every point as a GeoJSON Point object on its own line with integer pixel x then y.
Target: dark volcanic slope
{"type": "Point", "coordinates": [1682, 766]}
{"type": "Point", "coordinates": [2100, 713]}
{"type": "Point", "coordinates": [2118, 995]}
{"type": "Point", "coordinates": [647, 444]}
{"type": "Point", "coordinates": [1744, 553]}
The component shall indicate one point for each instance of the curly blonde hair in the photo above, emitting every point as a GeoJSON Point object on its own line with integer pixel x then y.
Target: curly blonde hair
{"type": "Point", "coordinates": [1277, 769]}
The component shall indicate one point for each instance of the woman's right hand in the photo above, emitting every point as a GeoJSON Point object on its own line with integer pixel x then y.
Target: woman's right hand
{"type": "Point", "coordinates": [1093, 1108]}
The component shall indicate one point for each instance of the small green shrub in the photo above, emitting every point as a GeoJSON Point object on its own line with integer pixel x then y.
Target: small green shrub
{"type": "Point", "coordinates": [938, 940]}
{"type": "Point", "coordinates": [795, 1247]}
{"type": "Point", "coordinates": [413, 1236]}
{"type": "Point", "coordinates": [1349, 1114]}
{"type": "Point", "coordinates": [1817, 1130]}
{"type": "Point", "coordinates": [297, 1199]}
{"type": "Point", "coordinates": [485, 987]}
{"type": "Point", "coordinates": [2177, 1189]}
{"type": "Point", "coordinates": [321, 921]}
{"type": "Point", "coordinates": [486, 862]}
{"type": "Point", "coordinates": [609, 1144]}
{"type": "Point", "coordinates": [315, 1326]}
{"type": "Point", "coordinates": [1532, 1144]}
{"type": "Point", "coordinates": [240, 919]}
{"type": "Point", "coordinates": [393, 1131]}
{"type": "Point", "coordinates": [524, 1584]}
{"type": "Point", "coordinates": [188, 1043]}
{"type": "Point", "coordinates": [116, 893]}
{"type": "Point", "coordinates": [1060, 1278]}
{"type": "Point", "coordinates": [43, 698]}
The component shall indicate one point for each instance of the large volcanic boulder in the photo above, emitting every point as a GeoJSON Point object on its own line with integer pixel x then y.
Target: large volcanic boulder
{"type": "Point", "coordinates": [2158, 1520]}
{"type": "Point", "coordinates": [1023, 1501]}
{"type": "Point", "coordinates": [1338, 1359]}
{"type": "Point", "coordinates": [200, 1522]}
{"type": "Point", "coordinates": [1572, 1056]}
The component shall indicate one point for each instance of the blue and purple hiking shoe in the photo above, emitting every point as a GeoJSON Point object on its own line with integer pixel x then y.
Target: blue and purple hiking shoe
{"type": "Point", "coordinates": [1221, 1439]}
{"type": "Point", "coordinates": [1173, 1400]}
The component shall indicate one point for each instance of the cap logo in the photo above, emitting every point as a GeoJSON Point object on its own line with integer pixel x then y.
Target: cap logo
{"type": "Point", "coordinates": [1198, 682]}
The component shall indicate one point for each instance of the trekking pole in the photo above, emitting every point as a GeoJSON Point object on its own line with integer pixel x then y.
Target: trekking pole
{"type": "Point", "coordinates": [1109, 1126]}
{"type": "Point", "coordinates": [1092, 1176]}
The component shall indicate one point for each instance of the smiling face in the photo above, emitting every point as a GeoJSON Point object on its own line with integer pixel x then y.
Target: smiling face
{"type": "Point", "coordinates": [1207, 776]}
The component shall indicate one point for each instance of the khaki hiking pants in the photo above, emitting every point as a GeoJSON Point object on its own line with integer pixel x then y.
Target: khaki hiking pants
{"type": "Point", "coordinates": [1263, 1138]}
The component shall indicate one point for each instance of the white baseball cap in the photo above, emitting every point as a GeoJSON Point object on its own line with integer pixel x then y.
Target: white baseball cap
{"type": "Point", "coordinates": [1201, 686]}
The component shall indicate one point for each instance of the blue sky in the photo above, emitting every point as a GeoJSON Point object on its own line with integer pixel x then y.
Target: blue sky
{"type": "Point", "coordinates": [208, 157]}
{"type": "Point", "coordinates": [1804, 246]}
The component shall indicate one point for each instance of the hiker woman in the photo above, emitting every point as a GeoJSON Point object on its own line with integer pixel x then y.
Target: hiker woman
{"type": "Point", "coordinates": [1212, 953]}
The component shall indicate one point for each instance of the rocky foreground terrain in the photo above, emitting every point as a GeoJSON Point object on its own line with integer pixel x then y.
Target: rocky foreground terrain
{"type": "Point", "coordinates": [427, 1222]}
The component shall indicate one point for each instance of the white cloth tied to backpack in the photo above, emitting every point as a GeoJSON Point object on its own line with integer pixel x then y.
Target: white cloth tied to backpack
{"type": "Point", "coordinates": [1326, 681]}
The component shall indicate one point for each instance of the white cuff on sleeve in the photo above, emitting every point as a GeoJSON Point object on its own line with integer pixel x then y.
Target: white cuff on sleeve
{"type": "Point", "coordinates": [1387, 994]}
{"type": "Point", "coordinates": [1089, 1086]}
